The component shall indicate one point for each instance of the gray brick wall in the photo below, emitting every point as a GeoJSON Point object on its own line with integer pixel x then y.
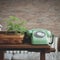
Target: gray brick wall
{"type": "Point", "coordinates": [38, 13]}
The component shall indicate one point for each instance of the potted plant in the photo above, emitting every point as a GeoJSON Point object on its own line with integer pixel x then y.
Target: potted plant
{"type": "Point", "coordinates": [15, 30]}
{"type": "Point", "coordinates": [15, 24]}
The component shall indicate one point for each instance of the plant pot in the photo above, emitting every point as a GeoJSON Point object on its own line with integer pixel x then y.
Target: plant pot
{"type": "Point", "coordinates": [10, 38]}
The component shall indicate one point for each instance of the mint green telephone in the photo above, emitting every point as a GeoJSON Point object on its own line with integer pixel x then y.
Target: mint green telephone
{"type": "Point", "coordinates": [40, 36]}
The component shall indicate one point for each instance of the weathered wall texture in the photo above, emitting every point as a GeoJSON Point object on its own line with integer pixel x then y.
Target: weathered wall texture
{"type": "Point", "coordinates": [38, 13]}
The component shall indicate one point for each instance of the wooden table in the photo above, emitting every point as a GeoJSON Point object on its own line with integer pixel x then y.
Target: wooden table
{"type": "Point", "coordinates": [39, 48]}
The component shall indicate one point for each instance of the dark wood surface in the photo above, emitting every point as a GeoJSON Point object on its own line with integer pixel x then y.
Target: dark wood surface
{"type": "Point", "coordinates": [58, 46]}
{"type": "Point", "coordinates": [42, 55]}
{"type": "Point", "coordinates": [23, 46]}
{"type": "Point", "coordinates": [28, 47]}
{"type": "Point", "coordinates": [1, 55]}
{"type": "Point", "coordinates": [39, 48]}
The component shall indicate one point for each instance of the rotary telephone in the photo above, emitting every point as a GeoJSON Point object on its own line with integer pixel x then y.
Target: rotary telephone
{"type": "Point", "coordinates": [39, 36]}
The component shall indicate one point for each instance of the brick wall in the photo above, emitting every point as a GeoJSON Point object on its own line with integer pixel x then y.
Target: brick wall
{"type": "Point", "coordinates": [37, 13]}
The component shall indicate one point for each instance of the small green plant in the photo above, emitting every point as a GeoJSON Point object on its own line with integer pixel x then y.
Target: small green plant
{"type": "Point", "coordinates": [15, 24]}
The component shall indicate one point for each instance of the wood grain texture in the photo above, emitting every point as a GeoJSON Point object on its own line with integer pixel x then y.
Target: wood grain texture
{"type": "Point", "coordinates": [11, 39]}
{"type": "Point", "coordinates": [58, 46]}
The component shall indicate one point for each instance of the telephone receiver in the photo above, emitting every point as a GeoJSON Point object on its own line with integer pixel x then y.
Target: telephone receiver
{"type": "Point", "coordinates": [39, 36]}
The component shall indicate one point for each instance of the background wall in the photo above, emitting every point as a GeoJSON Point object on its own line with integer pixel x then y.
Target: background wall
{"type": "Point", "coordinates": [38, 13]}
